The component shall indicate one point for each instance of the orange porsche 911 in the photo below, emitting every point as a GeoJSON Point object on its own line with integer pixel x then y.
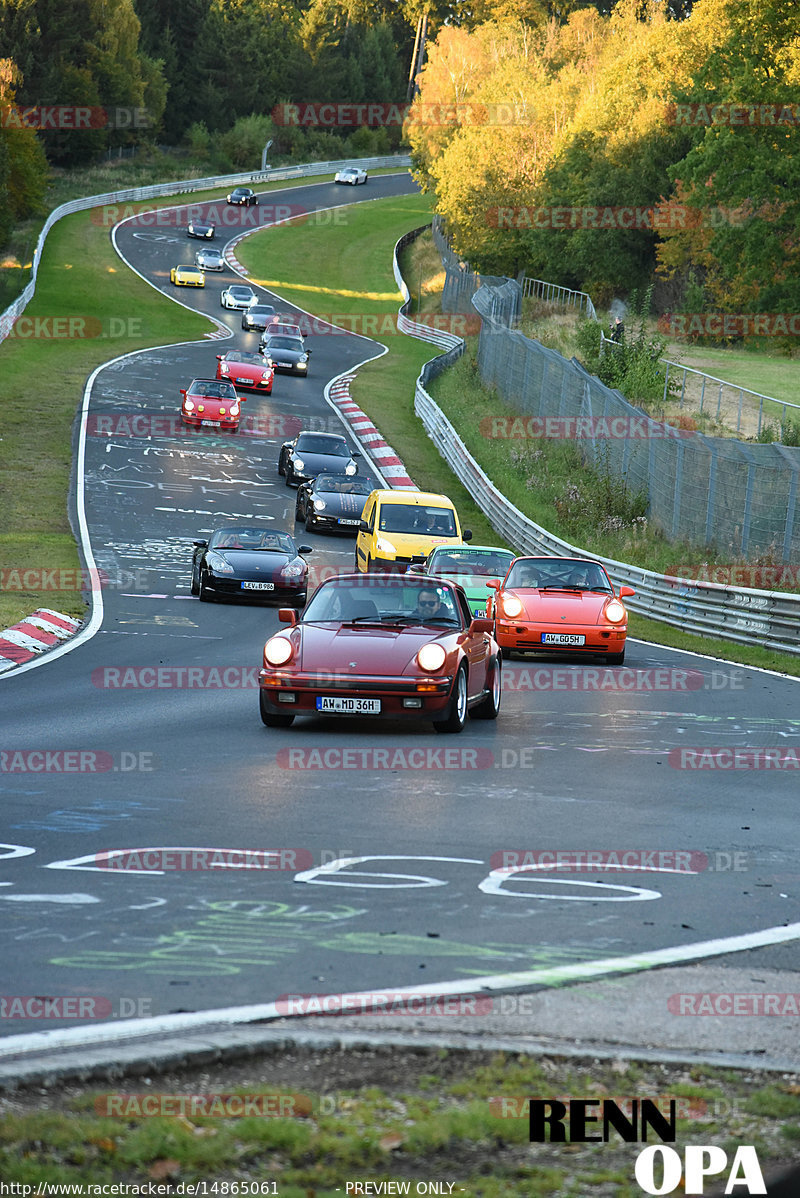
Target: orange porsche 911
{"type": "Point", "coordinates": [559, 605]}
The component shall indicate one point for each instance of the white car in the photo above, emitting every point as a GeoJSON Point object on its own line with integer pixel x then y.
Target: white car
{"type": "Point", "coordinates": [238, 297]}
{"type": "Point", "coordinates": [351, 174]}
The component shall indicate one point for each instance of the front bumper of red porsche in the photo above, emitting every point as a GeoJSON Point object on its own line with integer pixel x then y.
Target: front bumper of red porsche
{"type": "Point", "coordinates": [287, 691]}
{"type": "Point", "coordinates": [525, 637]}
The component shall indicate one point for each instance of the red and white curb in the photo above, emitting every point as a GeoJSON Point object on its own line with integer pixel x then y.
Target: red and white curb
{"type": "Point", "coordinates": [385, 458]}
{"type": "Point", "coordinates": [33, 636]}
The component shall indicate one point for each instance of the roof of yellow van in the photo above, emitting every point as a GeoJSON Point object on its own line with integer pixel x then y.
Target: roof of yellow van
{"type": "Point", "coordinates": [414, 497]}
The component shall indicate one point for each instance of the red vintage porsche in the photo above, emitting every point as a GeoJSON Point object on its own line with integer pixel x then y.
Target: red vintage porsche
{"type": "Point", "coordinates": [383, 645]}
{"type": "Point", "coordinates": [559, 605]}
{"type": "Point", "coordinates": [209, 403]}
{"type": "Point", "coordinates": [245, 369]}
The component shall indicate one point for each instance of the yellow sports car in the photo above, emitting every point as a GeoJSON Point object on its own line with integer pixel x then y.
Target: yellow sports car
{"type": "Point", "coordinates": [187, 276]}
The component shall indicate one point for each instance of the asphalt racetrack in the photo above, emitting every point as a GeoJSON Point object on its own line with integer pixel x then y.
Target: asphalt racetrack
{"type": "Point", "coordinates": [385, 849]}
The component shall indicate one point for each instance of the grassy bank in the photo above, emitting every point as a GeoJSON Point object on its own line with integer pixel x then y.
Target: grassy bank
{"type": "Point", "coordinates": [385, 1116]}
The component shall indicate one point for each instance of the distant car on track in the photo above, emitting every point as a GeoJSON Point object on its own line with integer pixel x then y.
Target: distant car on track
{"type": "Point", "coordinates": [238, 297]}
{"type": "Point", "coordinates": [245, 369]}
{"type": "Point", "coordinates": [389, 646]}
{"type": "Point", "coordinates": [259, 317]}
{"type": "Point", "coordinates": [559, 605]}
{"type": "Point", "coordinates": [351, 174]}
{"type": "Point", "coordinates": [240, 562]}
{"type": "Point", "coordinates": [310, 454]}
{"type": "Point", "coordinates": [285, 353]}
{"type": "Point", "coordinates": [211, 403]}
{"type": "Point", "coordinates": [208, 259]}
{"type": "Point", "coordinates": [242, 195]}
{"type": "Point", "coordinates": [196, 229]}
{"type": "Point", "coordinates": [187, 276]}
{"type": "Point", "coordinates": [332, 502]}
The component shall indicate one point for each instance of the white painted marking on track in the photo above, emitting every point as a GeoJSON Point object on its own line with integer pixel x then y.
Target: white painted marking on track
{"type": "Point", "coordinates": [558, 975]}
{"type": "Point", "coordinates": [70, 899]}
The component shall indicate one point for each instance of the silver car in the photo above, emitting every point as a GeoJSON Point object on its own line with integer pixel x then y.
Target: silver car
{"type": "Point", "coordinates": [351, 174]}
{"type": "Point", "coordinates": [238, 298]}
{"type": "Point", "coordinates": [209, 260]}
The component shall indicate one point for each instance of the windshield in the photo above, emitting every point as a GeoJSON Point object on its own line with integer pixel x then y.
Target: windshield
{"type": "Point", "coordinates": [241, 292]}
{"type": "Point", "coordinates": [384, 599]}
{"type": "Point", "coordinates": [252, 539]}
{"type": "Point", "coordinates": [290, 343]}
{"type": "Point", "coordinates": [467, 561]}
{"type": "Point", "coordinates": [314, 443]}
{"type": "Point", "coordinates": [241, 355]}
{"type": "Point", "coordinates": [262, 310]}
{"type": "Point", "coordinates": [558, 574]}
{"type": "Point", "coordinates": [416, 520]}
{"type": "Point", "coordinates": [221, 390]}
{"type": "Point", "coordinates": [341, 484]}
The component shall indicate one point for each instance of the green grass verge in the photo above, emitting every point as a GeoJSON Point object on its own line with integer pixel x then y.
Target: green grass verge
{"type": "Point", "coordinates": [346, 269]}
{"type": "Point", "coordinates": [458, 1118]}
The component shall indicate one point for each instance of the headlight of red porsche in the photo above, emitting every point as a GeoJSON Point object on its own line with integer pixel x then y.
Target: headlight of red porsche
{"type": "Point", "coordinates": [277, 651]}
{"type": "Point", "coordinates": [512, 607]}
{"type": "Point", "coordinates": [431, 657]}
{"type": "Point", "coordinates": [615, 612]}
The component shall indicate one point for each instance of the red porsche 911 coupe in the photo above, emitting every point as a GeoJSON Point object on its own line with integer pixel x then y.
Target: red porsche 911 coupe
{"type": "Point", "coordinates": [559, 605]}
{"type": "Point", "coordinates": [382, 645]}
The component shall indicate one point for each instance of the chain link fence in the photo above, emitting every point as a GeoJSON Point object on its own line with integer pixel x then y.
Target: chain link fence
{"type": "Point", "coordinates": [739, 497]}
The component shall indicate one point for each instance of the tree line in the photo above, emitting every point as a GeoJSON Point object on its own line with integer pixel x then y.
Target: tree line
{"type": "Point", "coordinates": [601, 150]}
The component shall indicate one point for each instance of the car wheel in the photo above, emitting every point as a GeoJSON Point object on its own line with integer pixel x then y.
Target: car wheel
{"type": "Point", "coordinates": [298, 514]}
{"type": "Point", "coordinates": [270, 718]}
{"type": "Point", "coordinates": [616, 659]}
{"type": "Point", "coordinates": [203, 593]}
{"type": "Point", "coordinates": [457, 716]}
{"type": "Point", "coordinates": [289, 476]}
{"type": "Point", "coordinates": [310, 523]}
{"type": "Point", "coordinates": [194, 586]}
{"type": "Point", "coordinates": [281, 462]}
{"type": "Point", "coordinates": [489, 707]}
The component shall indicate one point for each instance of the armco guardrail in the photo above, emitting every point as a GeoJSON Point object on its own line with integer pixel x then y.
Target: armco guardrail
{"type": "Point", "coordinates": [179, 187]}
{"type": "Point", "coordinates": [767, 618]}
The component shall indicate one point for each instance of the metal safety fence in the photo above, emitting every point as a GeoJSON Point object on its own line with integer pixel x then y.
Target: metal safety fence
{"type": "Point", "coordinates": [746, 615]}
{"type": "Point", "coordinates": [178, 187]}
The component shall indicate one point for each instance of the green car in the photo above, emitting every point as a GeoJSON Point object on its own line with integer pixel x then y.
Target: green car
{"type": "Point", "coordinates": [470, 566]}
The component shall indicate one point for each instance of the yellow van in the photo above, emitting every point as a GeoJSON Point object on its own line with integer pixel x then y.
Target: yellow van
{"type": "Point", "coordinates": [401, 527]}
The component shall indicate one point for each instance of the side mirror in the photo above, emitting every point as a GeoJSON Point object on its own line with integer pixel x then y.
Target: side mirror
{"type": "Point", "coordinates": [219, 357]}
{"type": "Point", "coordinates": [304, 549]}
{"type": "Point", "coordinates": [363, 526]}
{"type": "Point", "coordinates": [356, 453]}
{"type": "Point", "coordinates": [481, 624]}
{"type": "Point", "coordinates": [242, 399]}
{"type": "Point", "coordinates": [466, 535]}
{"type": "Point", "coordinates": [414, 568]}
{"type": "Point", "coordinates": [183, 392]}
{"type": "Point", "coordinates": [287, 615]}
{"type": "Point", "coordinates": [494, 583]}
{"type": "Point", "coordinates": [201, 544]}
{"type": "Point", "coordinates": [624, 592]}
{"type": "Point", "coordinates": [308, 351]}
